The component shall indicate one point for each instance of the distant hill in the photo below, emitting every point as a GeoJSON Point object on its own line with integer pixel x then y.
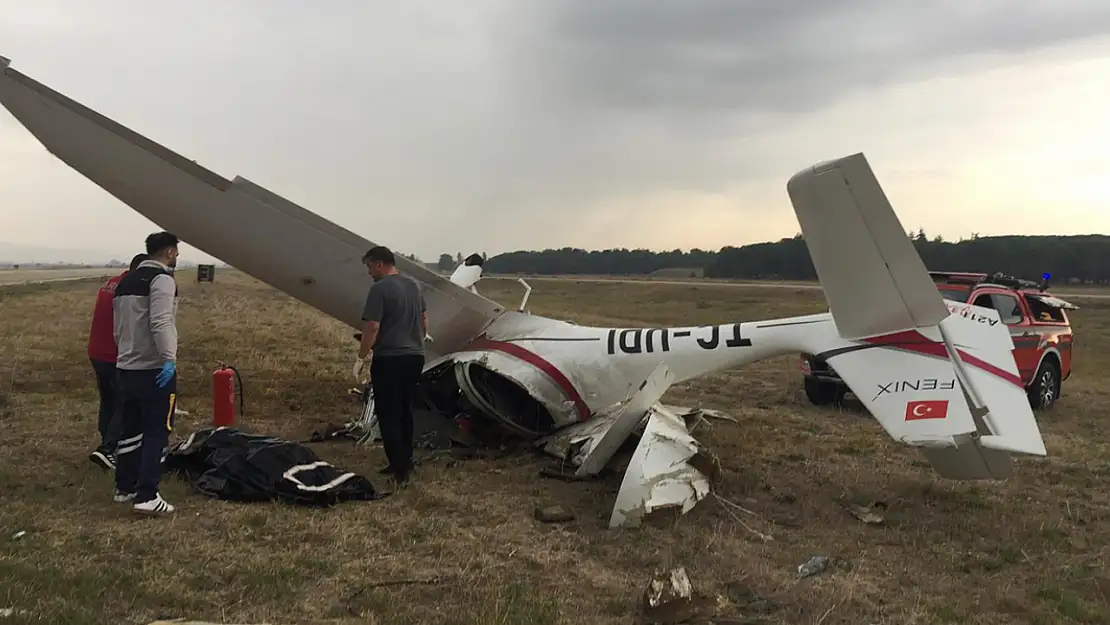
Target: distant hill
{"type": "Point", "coordinates": [1077, 259]}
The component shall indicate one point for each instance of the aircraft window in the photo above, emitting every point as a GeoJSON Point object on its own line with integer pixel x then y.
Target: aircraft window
{"type": "Point", "coordinates": [1007, 307]}
{"type": "Point", "coordinates": [1044, 312]}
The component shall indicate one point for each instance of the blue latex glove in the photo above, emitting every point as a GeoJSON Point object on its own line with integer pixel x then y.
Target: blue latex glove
{"type": "Point", "coordinates": [166, 374]}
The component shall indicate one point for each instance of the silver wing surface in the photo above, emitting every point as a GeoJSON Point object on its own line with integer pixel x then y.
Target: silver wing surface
{"type": "Point", "coordinates": [237, 221]}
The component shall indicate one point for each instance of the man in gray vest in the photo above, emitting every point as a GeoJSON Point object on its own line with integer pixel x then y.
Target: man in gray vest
{"type": "Point", "coordinates": [145, 309]}
{"type": "Point", "coordinates": [396, 325]}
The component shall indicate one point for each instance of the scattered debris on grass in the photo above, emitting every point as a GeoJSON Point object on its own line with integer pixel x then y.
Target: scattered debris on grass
{"type": "Point", "coordinates": [814, 566]}
{"type": "Point", "coordinates": [864, 514]}
{"type": "Point", "coordinates": [670, 599]}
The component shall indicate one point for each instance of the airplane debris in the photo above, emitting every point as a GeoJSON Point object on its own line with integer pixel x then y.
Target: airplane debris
{"type": "Point", "coordinates": [716, 414]}
{"type": "Point", "coordinates": [554, 513]}
{"type": "Point", "coordinates": [814, 566]}
{"type": "Point", "coordinates": [670, 599]}
{"type": "Point", "coordinates": [864, 514]}
{"type": "Point", "coordinates": [661, 473]}
{"type": "Point", "coordinates": [19, 534]}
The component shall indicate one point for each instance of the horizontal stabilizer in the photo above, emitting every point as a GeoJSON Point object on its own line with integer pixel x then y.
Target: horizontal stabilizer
{"type": "Point", "coordinates": [967, 417]}
{"type": "Point", "coordinates": [874, 280]}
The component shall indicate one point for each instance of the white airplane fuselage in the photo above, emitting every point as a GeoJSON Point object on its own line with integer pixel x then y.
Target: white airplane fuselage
{"type": "Point", "coordinates": [575, 371]}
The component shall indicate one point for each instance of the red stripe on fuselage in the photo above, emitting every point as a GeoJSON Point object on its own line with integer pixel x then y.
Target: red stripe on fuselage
{"type": "Point", "coordinates": [914, 341]}
{"type": "Point", "coordinates": [538, 362]}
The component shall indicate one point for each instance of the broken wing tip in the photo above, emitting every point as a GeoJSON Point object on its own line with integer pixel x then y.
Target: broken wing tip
{"type": "Point", "coordinates": [4, 62]}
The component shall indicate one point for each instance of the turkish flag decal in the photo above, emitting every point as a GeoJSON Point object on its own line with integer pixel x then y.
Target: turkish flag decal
{"type": "Point", "coordinates": [918, 410]}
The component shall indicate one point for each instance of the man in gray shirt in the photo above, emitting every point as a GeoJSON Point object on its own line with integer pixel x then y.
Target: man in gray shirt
{"type": "Point", "coordinates": [145, 309]}
{"type": "Point", "coordinates": [396, 326]}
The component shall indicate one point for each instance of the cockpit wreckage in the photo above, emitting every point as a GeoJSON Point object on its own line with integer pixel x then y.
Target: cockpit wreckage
{"type": "Point", "coordinates": [580, 392]}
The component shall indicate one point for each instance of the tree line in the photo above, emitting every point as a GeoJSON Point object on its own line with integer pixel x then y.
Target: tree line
{"type": "Point", "coordinates": [1074, 259]}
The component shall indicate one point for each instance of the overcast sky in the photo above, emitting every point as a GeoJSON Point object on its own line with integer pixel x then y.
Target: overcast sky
{"type": "Point", "coordinates": [493, 125]}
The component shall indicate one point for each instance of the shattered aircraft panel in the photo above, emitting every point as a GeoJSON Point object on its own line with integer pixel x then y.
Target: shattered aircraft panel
{"type": "Point", "coordinates": [660, 474]}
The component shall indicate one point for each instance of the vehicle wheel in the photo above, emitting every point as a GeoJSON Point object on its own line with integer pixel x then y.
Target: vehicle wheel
{"type": "Point", "coordinates": [821, 393]}
{"type": "Point", "coordinates": [1045, 389]}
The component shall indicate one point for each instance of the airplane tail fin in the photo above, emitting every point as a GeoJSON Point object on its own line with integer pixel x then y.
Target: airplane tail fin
{"type": "Point", "coordinates": [945, 382]}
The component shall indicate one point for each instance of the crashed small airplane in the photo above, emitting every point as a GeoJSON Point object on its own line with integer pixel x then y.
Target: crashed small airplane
{"type": "Point", "coordinates": [580, 392]}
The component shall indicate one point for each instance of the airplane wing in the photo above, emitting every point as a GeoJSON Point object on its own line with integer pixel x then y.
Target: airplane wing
{"type": "Point", "coordinates": [237, 221]}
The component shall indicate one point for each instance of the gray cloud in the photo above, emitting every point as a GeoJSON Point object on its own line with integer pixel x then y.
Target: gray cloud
{"type": "Point", "coordinates": [783, 56]}
{"type": "Point", "coordinates": [389, 116]}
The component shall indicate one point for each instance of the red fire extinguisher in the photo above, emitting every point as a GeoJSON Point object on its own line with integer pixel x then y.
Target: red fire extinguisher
{"type": "Point", "coordinates": [224, 381]}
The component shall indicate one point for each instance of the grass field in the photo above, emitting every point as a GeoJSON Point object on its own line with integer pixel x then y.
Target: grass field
{"type": "Point", "coordinates": [16, 276]}
{"type": "Point", "coordinates": [1032, 550]}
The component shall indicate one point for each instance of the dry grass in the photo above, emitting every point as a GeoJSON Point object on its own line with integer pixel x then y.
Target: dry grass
{"type": "Point", "coordinates": [16, 276]}
{"type": "Point", "coordinates": [1028, 551]}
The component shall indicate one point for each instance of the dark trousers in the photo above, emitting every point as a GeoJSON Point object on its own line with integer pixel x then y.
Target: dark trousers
{"type": "Point", "coordinates": [109, 421]}
{"type": "Point", "coordinates": [147, 422]}
{"type": "Point", "coordinates": [395, 380]}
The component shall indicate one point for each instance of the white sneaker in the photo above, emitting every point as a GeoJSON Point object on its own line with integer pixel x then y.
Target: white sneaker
{"type": "Point", "coordinates": [154, 507]}
{"type": "Point", "coordinates": [122, 497]}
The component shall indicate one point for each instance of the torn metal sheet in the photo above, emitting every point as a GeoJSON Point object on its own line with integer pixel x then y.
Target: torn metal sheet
{"type": "Point", "coordinates": [628, 418]}
{"type": "Point", "coordinates": [571, 444]}
{"type": "Point", "coordinates": [693, 415]}
{"type": "Point", "coordinates": [666, 471]}
{"type": "Point", "coordinates": [590, 445]}
{"type": "Point", "coordinates": [716, 414]}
